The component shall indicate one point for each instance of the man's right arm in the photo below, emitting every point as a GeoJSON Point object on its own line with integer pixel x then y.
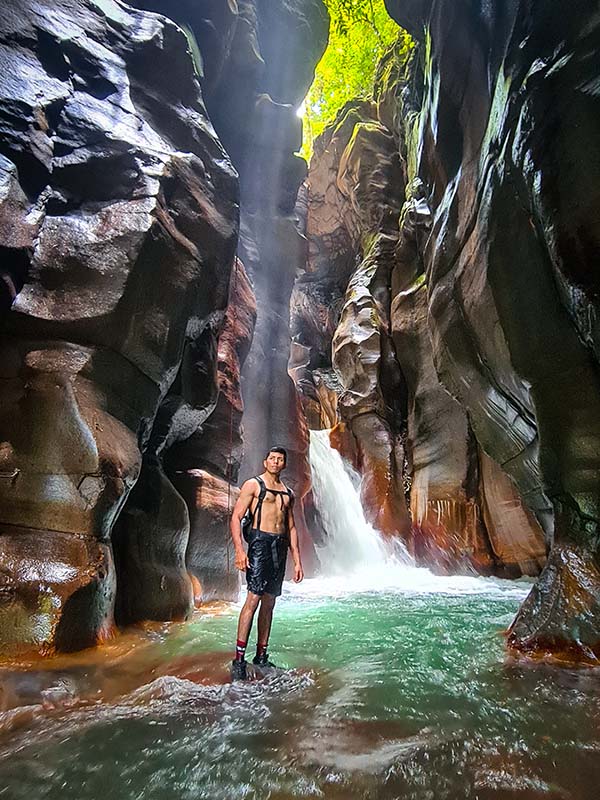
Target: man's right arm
{"type": "Point", "coordinates": [247, 493]}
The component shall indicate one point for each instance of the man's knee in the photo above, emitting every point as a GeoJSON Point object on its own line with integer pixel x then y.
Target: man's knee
{"type": "Point", "coordinates": [268, 600]}
{"type": "Point", "coordinates": [252, 601]}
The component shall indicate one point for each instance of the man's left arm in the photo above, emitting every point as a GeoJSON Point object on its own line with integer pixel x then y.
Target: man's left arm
{"type": "Point", "coordinates": [293, 534]}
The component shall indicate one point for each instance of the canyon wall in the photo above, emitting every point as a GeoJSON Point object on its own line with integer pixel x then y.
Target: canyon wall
{"type": "Point", "coordinates": [119, 222]}
{"type": "Point", "coordinates": [259, 64]}
{"type": "Point", "coordinates": [363, 358]}
{"type": "Point", "coordinates": [506, 142]}
{"type": "Point", "coordinates": [129, 133]}
{"type": "Point", "coordinates": [461, 310]}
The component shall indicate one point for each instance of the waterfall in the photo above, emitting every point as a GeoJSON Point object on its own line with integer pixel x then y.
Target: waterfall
{"type": "Point", "coordinates": [354, 557]}
{"type": "Point", "coordinates": [352, 545]}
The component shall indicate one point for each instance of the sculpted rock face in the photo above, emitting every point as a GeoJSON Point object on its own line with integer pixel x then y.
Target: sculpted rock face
{"type": "Point", "coordinates": [341, 305]}
{"type": "Point", "coordinates": [118, 218]}
{"type": "Point", "coordinates": [464, 508]}
{"type": "Point", "coordinates": [369, 175]}
{"type": "Point", "coordinates": [211, 27]}
{"type": "Point", "coordinates": [513, 531]}
{"type": "Point", "coordinates": [216, 445]}
{"type": "Point", "coordinates": [277, 46]}
{"type": "Point", "coordinates": [506, 146]}
{"type": "Point", "coordinates": [446, 519]}
{"type": "Point", "coordinates": [205, 466]}
{"type": "Point", "coordinates": [149, 542]}
{"type": "Point", "coordinates": [411, 14]}
{"type": "Point", "coordinates": [266, 57]}
{"type": "Point", "coordinates": [209, 556]}
{"type": "Point", "coordinates": [362, 312]}
{"type": "Point", "coordinates": [266, 64]}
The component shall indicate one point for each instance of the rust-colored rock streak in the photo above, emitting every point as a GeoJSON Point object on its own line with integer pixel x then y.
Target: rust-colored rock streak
{"type": "Point", "coordinates": [209, 555]}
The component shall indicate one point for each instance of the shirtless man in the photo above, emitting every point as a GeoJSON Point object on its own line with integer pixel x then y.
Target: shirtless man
{"type": "Point", "coordinates": [272, 531]}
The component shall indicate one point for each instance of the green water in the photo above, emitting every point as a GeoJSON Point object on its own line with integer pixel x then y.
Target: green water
{"type": "Point", "coordinates": [389, 695]}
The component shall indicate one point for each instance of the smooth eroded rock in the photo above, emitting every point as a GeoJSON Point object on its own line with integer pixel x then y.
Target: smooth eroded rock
{"type": "Point", "coordinates": [118, 220]}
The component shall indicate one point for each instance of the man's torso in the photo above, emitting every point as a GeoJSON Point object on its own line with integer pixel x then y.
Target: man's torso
{"type": "Point", "coordinates": [274, 509]}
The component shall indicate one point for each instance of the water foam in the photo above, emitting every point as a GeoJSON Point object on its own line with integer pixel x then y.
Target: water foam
{"type": "Point", "coordinates": [354, 558]}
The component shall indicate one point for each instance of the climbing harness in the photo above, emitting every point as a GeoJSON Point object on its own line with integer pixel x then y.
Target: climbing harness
{"type": "Point", "coordinates": [251, 529]}
{"type": "Point", "coordinates": [250, 516]}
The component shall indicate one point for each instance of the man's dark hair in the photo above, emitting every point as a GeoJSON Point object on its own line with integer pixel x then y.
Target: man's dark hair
{"type": "Point", "coordinates": [277, 449]}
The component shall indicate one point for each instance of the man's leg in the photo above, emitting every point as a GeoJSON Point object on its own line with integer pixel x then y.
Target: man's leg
{"type": "Point", "coordinates": [247, 616]}
{"type": "Point", "coordinates": [238, 665]}
{"type": "Point", "coordinates": [265, 618]}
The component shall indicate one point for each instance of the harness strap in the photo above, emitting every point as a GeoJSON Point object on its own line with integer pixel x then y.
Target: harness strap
{"type": "Point", "coordinates": [261, 497]}
{"type": "Point", "coordinates": [275, 554]}
{"type": "Point", "coordinates": [279, 493]}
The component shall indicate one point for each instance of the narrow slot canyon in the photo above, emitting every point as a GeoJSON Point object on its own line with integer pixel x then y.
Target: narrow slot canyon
{"type": "Point", "coordinates": [361, 232]}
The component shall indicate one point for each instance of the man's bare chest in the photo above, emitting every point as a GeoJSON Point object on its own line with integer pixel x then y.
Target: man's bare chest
{"type": "Point", "coordinates": [275, 501]}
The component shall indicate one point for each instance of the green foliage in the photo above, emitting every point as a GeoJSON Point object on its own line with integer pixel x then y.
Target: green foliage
{"type": "Point", "coordinates": [345, 13]}
{"type": "Point", "coordinates": [360, 32]}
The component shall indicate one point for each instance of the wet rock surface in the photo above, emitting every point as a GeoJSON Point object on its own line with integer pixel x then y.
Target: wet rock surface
{"type": "Point", "coordinates": [272, 245]}
{"type": "Point", "coordinates": [480, 303]}
{"type": "Point", "coordinates": [119, 218]}
{"type": "Point", "coordinates": [363, 353]}
{"type": "Point", "coordinates": [494, 302]}
{"type": "Point", "coordinates": [511, 187]}
{"type": "Point", "coordinates": [209, 555]}
{"type": "Point", "coordinates": [260, 59]}
{"type": "Point", "coordinates": [341, 305]}
{"type": "Point", "coordinates": [125, 328]}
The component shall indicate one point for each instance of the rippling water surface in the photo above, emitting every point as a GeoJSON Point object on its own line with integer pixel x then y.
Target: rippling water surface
{"type": "Point", "coordinates": [389, 694]}
{"type": "Point", "coordinates": [396, 685]}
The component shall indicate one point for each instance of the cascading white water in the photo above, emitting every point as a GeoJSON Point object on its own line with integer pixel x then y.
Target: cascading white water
{"type": "Point", "coordinates": [354, 557]}
{"type": "Point", "coordinates": [351, 543]}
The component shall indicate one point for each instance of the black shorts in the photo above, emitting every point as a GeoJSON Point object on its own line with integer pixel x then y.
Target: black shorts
{"type": "Point", "coordinates": [267, 553]}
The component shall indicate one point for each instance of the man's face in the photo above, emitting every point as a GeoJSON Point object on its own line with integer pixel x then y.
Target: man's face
{"type": "Point", "coordinates": [274, 463]}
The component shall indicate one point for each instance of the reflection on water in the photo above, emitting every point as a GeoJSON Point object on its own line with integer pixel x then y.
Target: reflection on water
{"type": "Point", "coordinates": [389, 695]}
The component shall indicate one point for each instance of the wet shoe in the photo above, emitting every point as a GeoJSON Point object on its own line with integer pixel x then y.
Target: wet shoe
{"type": "Point", "coordinates": [238, 671]}
{"type": "Point", "coordinates": [263, 662]}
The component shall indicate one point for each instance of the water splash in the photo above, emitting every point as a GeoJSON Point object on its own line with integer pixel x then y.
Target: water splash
{"type": "Point", "coordinates": [351, 543]}
{"type": "Point", "coordinates": [354, 557]}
